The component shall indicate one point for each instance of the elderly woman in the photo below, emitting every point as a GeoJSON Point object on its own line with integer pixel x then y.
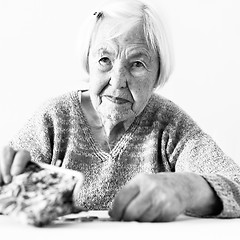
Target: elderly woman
{"type": "Point", "coordinates": [142, 156]}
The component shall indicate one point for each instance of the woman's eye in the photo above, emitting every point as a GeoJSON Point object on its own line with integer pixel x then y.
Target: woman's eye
{"type": "Point", "coordinates": [137, 64]}
{"type": "Point", "coordinates": [105, 61]}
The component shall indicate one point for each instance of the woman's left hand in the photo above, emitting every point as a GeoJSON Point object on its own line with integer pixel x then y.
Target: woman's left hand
{"type": "Point", "coordinates": [162, 197]}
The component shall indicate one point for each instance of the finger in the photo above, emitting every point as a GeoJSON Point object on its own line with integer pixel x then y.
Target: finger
{"type": "Point", "coordinates": [5, 164]}
{"type": "Point", "coordinates": [151, 214]}
{"type": "Point", "coordinates": [158, 202]}
{"type": "Point", "coordinates": [167, 214]}
{"type": "Point", "coordinates": [137, 207]}
{"type": "Point", "coordinates": [121, 201]}
{"type": "Point", "coordinates": [21, 159]}
{"type": "Point", "coordinates": [162, 212]}
{"type": "Point", "coordinates": [58, 163]}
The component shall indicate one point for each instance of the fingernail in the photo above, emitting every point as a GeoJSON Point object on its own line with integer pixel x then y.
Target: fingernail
{"type": "Point", "coordinates": [15, 171]}
{"type": "Point", "coordinates": [58, 163]}
{"type": "Point", "coordinates": [7, 179]}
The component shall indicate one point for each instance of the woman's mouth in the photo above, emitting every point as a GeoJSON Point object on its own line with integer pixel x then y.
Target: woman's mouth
{"type": "Point", "coordinates": [116, 100]}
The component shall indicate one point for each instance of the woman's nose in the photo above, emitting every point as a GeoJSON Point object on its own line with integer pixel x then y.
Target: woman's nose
{"type": "Point", "coordinates": [118, 78]}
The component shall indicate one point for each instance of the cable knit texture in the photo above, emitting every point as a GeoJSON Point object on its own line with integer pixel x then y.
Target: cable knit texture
{"type": "Point", "coordinates": [163, 138]}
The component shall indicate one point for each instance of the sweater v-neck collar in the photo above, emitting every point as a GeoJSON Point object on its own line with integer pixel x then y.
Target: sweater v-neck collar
{"type": "Point", "coordinates": [120, 144]}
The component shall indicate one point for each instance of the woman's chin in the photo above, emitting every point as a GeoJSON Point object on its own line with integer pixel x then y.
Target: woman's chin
{"type": "Point", "coordinates": [112, 113]}
{"type": "Point", "coordinates": [120, 111]}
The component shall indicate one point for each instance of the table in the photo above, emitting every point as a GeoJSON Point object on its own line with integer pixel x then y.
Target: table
{"type": "Point", "coordinates": [97, 225]}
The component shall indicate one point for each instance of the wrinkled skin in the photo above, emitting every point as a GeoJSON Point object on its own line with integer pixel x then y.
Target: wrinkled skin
{"type": "Point", "coordinates": [163, 197]}
{"type": "Point", "coordinates": [12, 163]}
{"type": "Point", "coordinates": [123, 73]}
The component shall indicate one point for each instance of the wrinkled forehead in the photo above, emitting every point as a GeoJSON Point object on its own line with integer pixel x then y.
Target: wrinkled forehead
{"type": "Point", "coordinates": [118, 32]}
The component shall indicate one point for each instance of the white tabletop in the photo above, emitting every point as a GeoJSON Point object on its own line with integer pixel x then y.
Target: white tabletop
{"type": "Point", "coordinates": [97, 225]}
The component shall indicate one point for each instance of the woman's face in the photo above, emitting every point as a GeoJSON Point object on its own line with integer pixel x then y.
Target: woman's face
{"type": "Point", "coordinates": [122, 71]}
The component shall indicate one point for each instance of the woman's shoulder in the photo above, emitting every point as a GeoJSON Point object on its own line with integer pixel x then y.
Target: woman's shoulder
{"type": "Point", "coordinates": [165, 110]}
{"type": "Point", "coordinates": [63, 99]}
{"type": "Point", "coordinates": [66, 103]}
{"type": "Point", "coordinates": [163, 105]}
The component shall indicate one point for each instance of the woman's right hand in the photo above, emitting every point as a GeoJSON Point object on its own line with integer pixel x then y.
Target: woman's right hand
{"type": "Point", "coordinates": [12, 163]}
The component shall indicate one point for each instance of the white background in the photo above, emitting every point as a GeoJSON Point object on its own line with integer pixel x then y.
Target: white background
{"type": "Point", "coordinates": [38, 60]}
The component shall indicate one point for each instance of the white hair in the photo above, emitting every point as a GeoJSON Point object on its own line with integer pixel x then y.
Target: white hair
{"type": "Point", "coordinates": [129, 13]}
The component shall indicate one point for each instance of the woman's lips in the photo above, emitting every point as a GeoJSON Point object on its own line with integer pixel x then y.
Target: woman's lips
{"type": "Point", "coordinates": [117, 100]}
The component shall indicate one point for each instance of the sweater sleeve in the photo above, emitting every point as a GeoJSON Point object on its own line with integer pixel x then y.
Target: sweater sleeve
{"type": "Point", "coordinates": [198, 153]}
{"type": "Point", "coordinates": [185, 147]}
{"type": "Point", "coordinates": [36, 136]}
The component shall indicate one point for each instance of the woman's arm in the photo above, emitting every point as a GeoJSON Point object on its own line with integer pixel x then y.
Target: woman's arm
{"type": "Point", "coordinates": [203, 182]}
{"type": "Point", "coordinates": [164, 196]}
{"type": "Point", "coordinates": [33, 142]}
{"type": "Point", "coordinates": [201, 155]}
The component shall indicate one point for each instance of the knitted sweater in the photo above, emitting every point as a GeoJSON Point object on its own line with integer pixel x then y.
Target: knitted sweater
{"type": "Point", "coordinates": [163, 138]}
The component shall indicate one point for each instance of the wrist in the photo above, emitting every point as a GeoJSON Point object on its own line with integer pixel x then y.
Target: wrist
{"type": "Point", "coordinates": [201, 198]}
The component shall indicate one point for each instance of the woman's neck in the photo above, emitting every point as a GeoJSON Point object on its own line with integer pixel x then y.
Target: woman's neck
{"type": "Point", "coordinates": [103, 128]}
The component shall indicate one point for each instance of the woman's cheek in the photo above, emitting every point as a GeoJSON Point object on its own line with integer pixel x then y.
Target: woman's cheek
{"type": "Point", "coordinates": [139, 99]}
{"type": "Point", "coordinates": [141, 91]}
{"type": "Point", "coordinates": [97, 84]}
